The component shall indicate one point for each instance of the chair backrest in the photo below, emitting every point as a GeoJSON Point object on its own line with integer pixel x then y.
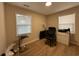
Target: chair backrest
{"type": "Point", "coordinates": [52, 29]}
{"type": "Point", "coordinates": [51, 33]}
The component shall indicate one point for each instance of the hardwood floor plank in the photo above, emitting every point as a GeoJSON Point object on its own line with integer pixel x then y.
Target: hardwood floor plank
{"type": "Point", "coordinates": [39, 48]}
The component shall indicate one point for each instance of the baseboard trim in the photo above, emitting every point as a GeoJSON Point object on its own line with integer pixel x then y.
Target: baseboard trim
{"type": "Point", "coordinates": [29, 42]}
{"type": "Point", "coordinates": [74, 42]}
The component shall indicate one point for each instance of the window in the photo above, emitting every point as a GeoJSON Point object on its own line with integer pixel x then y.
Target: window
{"type": "Point", "coordinates": [67, 21]}
{"type": "Point", "coordinates": [23, 24]}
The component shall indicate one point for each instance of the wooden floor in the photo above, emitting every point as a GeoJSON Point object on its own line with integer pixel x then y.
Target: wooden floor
{"type": "Point", "coordinates": [39, 48]}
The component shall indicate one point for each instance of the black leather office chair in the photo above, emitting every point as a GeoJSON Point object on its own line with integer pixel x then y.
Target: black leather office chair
{"type": "Point", "coordinates": [51, 36]}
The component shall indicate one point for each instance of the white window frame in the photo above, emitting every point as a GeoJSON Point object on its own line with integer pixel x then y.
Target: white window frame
{"type": "Point", "coordinates": [22, 24]}
{"type": "Point", "coordinates": [66, 20]}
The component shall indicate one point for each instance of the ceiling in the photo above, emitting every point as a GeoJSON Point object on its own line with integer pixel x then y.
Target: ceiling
{"type": "Point", "coordinates": [41, 8]}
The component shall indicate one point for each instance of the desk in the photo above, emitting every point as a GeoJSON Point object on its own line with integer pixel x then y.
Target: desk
{"type": "Point", "coordinates": [63, 38]}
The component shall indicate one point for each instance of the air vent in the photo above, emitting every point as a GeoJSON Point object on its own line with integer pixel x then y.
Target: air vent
{"type": "Point", "coordinates": [26, 5]}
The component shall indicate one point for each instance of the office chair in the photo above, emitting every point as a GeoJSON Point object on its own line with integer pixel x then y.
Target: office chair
{"type": "Point", "coordinates": [51, 36]}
